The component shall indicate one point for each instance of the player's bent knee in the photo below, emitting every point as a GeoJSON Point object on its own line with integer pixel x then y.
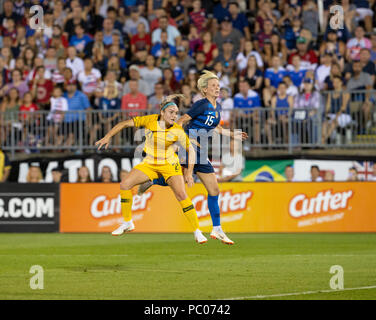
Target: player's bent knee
{"type": "Point", "coordinates": [125, 185]}
{"type": "Point", "coordinates": [180, 196]}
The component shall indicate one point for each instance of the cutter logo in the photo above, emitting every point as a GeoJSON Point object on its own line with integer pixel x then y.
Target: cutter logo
{"type": "Point", "coordinates": [302, 205]}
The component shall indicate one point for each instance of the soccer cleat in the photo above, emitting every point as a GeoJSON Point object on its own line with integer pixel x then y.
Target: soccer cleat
{"type": "Point", "coordinates": [124, 227]}
{"type": "Point", "coordinates": [200, 238]}
{"type": "Point", "coordinates": [144, 186]}
{"type": "Point", "coordinates": [220, 235]}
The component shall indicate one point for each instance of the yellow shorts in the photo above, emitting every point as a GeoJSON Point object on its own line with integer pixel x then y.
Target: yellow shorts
{"type": "Point", "coordinates": [154, 171]}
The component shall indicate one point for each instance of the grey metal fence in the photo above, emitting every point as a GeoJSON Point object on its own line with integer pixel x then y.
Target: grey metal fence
{"type": "Point", "coordinates": [268, 128]}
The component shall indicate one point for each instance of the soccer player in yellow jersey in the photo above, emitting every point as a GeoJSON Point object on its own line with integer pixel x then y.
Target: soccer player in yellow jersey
{"type": "Point", "coordinates": [161, 133]}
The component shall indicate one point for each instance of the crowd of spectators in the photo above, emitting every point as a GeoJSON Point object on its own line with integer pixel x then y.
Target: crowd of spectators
{"type": "Point", "coordinates": [127, 54]}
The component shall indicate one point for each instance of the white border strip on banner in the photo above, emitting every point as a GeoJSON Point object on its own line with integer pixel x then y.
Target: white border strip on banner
{"type": "Point", "coordinates": [297, 293]}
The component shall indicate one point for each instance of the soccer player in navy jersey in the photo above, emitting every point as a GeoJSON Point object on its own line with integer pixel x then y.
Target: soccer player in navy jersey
{"type": "Point", "coordinates": [205, 115]}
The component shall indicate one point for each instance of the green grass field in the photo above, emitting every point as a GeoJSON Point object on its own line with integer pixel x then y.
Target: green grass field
{"type": "Point", "coordinates": [173, 266]}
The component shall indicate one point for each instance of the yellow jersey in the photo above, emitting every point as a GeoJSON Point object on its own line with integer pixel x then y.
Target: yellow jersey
{"type": "Point", "coordinates": [159, 140]}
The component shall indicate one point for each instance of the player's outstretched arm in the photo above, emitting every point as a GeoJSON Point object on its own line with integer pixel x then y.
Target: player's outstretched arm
{"type": "Point", "coordinates": [237, 135]}
{"type": "Point", "coordinates": [183, 120]}
{"type": "Point", "coordinates": [105, 141]}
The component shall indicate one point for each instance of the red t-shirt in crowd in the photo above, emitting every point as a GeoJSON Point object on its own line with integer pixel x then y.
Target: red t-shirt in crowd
{"type": "Point", "coordinates": [310, 56]}
{"type": "Point", "coordinates": [44, 91]}
{"type": "Point", "coordinates": [30, 108]}
{"type": "Point", "coordinates": [139, 42]}
{"type": "Point", "coordinates": [131, 102]}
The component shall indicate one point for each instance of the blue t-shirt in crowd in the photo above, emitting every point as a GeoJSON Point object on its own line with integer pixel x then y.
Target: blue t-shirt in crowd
{"type": "Point", "coordinates": [78, 102]}
{"type": "Point", "coordinates": [275, 77]}
{"type": "Point", "coordinates": [251, 101]}
{"type": "Point", "coordinates": [240, 22]}
{"type": "Point", "coordinates": [297, 76]}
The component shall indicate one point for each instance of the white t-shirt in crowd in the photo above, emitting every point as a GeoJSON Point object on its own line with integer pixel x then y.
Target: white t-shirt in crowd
{"type": "Point", "coordinates": [151, 76]}
{"type": "Point", "coordinates": [77, 65]}
{"type": "Point", "coordinates": [372, 178]}
{"type": "Point", "coordinates": [89, 82]}
{"type": "Point", "coordinates": [58, 106]}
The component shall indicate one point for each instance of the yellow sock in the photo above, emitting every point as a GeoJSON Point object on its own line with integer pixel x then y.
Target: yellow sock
{"type": "Point", "coordinates": [126, 198]}
{"type": "Point", "coordinates": [190, 212]}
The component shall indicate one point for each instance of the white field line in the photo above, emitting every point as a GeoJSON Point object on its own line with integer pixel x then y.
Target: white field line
{"type": "Point", "coordinates": [298, 293]}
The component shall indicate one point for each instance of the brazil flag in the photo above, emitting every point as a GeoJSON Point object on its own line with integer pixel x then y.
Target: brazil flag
{"type": "Point", "coordinates": [265, 170]}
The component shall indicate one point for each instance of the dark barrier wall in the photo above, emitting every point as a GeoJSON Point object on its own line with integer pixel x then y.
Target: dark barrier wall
{"type": "Point", "coordinates": [30, 207]}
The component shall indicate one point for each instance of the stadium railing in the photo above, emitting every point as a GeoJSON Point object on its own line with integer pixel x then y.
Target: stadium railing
{"type": "Point", "coordinates": [268, 128]}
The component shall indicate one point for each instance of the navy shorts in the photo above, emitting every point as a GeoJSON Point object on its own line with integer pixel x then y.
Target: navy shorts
{"type": "Point", "coordinates": [204, 167]}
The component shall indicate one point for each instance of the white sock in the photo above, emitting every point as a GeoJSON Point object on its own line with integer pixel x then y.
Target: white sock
{"type": "Point", "coordinates": [217, 228]}
{"type": "Point", "coordinates": [197, 231]}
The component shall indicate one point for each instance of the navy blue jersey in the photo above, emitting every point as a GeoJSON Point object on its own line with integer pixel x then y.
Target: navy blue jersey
{"type": "Point", "coordinates": [204, 117]}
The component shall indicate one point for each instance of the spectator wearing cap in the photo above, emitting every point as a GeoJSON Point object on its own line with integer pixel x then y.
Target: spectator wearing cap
{"type": "Point", "coordinates": [228, 32]}
{"type": "Point", "coordinates": [246, 98]}
{"type": "Point", "coordinates": [173, 34]}
{"type": "Point", "coordinates": [75, 63]}
{"type": "Point", "coordinates": [272, 77]}
{"type": "Point", "coordinates": [308, 56]}
{"type": "Point", "coordinates": [354, 45]}
{"type": "Point", "coordinates": [130, 26]}
{"type": "Point", "coordinates": [142, 87]}
{"type": "Point", "coordinates": [150, 73]}
{"type": "Point", "coordinates": [296, 71]}
{"type": "Point", "coordinates": [80, 39]}
{"type": "Point", "coordinates": [227, 57]}
{"type": "Point", "coordinates": [197, 16]}
{"type": "Point", "coordinates": [74, 121]}
{"type": "Point", "coordinates": [134, 100]}
{"type": "Point", "coordinates": [162, 47]}
{"type": "Point", "coordinates": [184, 60]}
{"type": "Point", "coordinates": [239, 20]}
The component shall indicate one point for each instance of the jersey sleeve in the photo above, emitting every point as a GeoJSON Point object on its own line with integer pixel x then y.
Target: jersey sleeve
{"type": "Point", "coordinates": [196, 109]}
{"type": "Point", "coordinates": [144, 121]}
